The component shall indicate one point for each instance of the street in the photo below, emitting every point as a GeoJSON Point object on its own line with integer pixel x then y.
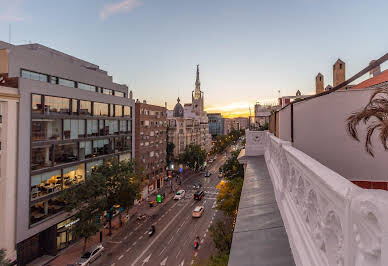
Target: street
{"type": "Point", "coordinates": [172, 243]}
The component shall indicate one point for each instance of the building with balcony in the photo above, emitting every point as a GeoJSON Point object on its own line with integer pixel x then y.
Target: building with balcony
{"type": "Point", "coordinates": [72, 117]}
{"type": "Point", "coordinates": [150, 143]}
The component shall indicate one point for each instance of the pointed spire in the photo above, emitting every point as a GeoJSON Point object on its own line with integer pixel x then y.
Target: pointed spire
{"type": "Point", "coordinates": [178, 100]}
{"type": "Point", "coordinates": [197, 82]}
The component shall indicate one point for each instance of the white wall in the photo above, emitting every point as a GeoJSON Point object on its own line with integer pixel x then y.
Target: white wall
{"type": "Point", "coordinates": [320, 132]}
{"type": "Point", "coordinates": [285, 123]}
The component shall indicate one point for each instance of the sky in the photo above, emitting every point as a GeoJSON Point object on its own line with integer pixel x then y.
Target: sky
{"type": "Point", "coordinates": [248, 50]}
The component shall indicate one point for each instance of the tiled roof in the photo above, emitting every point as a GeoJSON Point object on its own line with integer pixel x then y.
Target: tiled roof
{"type": "Point", "coordinates": [380, 78]}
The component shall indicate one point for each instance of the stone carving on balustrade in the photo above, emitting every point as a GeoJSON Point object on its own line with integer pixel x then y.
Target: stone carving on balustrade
{"type": "Point", "coordinates": [314, 218]}
{"type": "Point", "coordinates": [334, 239]}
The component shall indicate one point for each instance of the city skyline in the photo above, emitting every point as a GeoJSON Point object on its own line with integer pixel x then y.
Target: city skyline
{"type": "Point", "coordinates": [238, 46]}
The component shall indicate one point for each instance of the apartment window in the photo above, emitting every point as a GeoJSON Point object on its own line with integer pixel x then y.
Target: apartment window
{"type": "Point", "coordinates": [92, 165]}
{"type": "Point", "coordinates": [127, 143]}
{"type": "Point", "coordinates": [34, 76]}
{"type": "Point", "coordinates": [107, 91]}
{"type": "Point", "coordinates": [118, 110]}
{"type": "Point", "coordinates": [92, 128]}
{"type": "Point", "coordinates": [85, 150]}
{"type": "Point", "coordinates": [41, 157]}
{"type": "Point", "coordinates": [73, 175]}
{"type": "Point", "coordinates": [115, 126]}
{"type": "Point", "coordinates": [123, 126]}
{"type": "Point", "coordinates": [127, 111]}
{"type": "Point", "coordinates": [86, 87]}
{"type": "Point", "coordinates": [101, 147]}
{"type": "Point", "coordinates": [111, 107]}
{"type": "Point", "coordinates": [101, 127]}
{"type": "Point", "coordinates": [74, 106]}
{"type": "Point", "coordinates": [42, 210]}
{"type": "Point", "coordinates": [53, 80]}
{"type": "Point", "coordinates": [100, 109]}
{"type": "Point", "coordinates": [66, 82]}
{"type": "Point", "coordinates": [108, 127]}
{"type": "Point", "coordinates": [45, 184]}
{"type": "Point", "coordinates": [46, 129]}
{"type": "Point", "coordinates": [36, 104]}
{"type": "Point", "coordinates": [129, 125]}
{"type": "Point", "coordinates": [119, 94]}
{"type": "Point", "coordinates": [66, 153]}
{"type": "Point", "coordinates": [56, 105]}
{"type": "Point", "coordinates": [73, 129]}
{"type": "Point", "coordinates": [119, 144]}
{"type": "Point", "coordinates": [85, 108]}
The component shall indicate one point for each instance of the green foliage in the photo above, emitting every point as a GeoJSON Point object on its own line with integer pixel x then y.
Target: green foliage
{"type": "Point", "coordinates": [220, 259]}
{"type": "Point", "coordinates": [232, 167]}
{"type": "Point", "coordinates": [3, 260]}
{"type": "Point", "coordinates": [194, 156]}
{"type": "Point", "coordinates": [109, 184]}
{"type": "Point", "coordinates": [229, 194]}
{"type": "Point", "coordinates": [222, 234]}
{"type": "Point", "coordinates": [223, 142]}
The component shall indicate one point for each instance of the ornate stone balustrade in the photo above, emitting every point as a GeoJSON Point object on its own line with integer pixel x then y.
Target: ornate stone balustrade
{"type": "Point", "coordinates": [329, 220]}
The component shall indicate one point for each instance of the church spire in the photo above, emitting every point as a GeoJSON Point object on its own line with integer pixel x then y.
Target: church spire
{"type": "Point", "coordinates": [197, 82]}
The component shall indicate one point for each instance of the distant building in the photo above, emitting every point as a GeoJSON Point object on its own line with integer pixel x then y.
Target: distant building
{"type": "Point", "coordinates": [283, 101]}
{"type": "Point", "coordinates": [262, 114]}
{"type": "Point", "coordinates": [150, 144]}
{"type": "Point", "coordinates": [238, 123]}
{"type": "Point", "coordinates": [216, 124]}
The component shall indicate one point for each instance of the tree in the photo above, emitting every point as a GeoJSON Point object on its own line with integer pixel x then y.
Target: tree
{"type": "Point", "coordinates": [194, 156]}
{"type": "Point", "coordinates": [169, 152]}
{"type": "Point", "coordinates": [222, 234]}
{"type": "Point", "coordinates": [3, 260]}
{"type": "Point", "coordinates": [229, 194]}
{"type": "Point", "coordinates": [376, 113]}
{"type": "Point", "coordinates": [232, 167]}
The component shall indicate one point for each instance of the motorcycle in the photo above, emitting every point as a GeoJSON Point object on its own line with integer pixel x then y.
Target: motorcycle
{"type": "Point", "coordinates": [196, 242]}
{"type": "Point", "coordinates": [151, 231]}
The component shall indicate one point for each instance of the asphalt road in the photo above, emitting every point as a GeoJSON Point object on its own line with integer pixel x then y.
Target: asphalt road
{"type": "Point", "coordinates": [172, 243]}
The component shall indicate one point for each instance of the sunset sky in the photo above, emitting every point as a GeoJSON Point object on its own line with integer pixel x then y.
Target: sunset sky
{"type": "Point", "coordinates": [247, 50]}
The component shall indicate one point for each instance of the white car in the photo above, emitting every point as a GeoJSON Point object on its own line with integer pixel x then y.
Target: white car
{"type": "Point", "coordinates": [179, 194]}
{"type": "Point", "coordinates": [91, 255]}
{"type": "Point", "coordinates": [198, 211]}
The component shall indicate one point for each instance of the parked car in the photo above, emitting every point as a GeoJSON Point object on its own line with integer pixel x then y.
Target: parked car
{"type": "Point", "coordinates": [199, 195]}
{"type": "Point", "coordinates": [179, 194]}
{"type": "Point", "coordinates": [198, 211]}
{"type": "Point", "coordinates": [208, 174]}
{"type": "Point", "coordinates": [91, 255]}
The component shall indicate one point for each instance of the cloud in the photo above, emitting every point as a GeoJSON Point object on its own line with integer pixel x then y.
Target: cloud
{"type": "Point", "coordinates": [123, 6]}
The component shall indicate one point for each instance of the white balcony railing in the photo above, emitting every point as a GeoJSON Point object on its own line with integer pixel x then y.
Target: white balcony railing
{"type": "Point", "coordinates": [328, 219]}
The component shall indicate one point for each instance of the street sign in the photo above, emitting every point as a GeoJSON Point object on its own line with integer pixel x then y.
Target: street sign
{"type": "Point", "coordinates": [158, 198]}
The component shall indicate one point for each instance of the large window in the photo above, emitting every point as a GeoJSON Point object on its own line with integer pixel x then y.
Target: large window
{"type": "Point", "coordinates": [73, 175]}
{"type": "Point", "coordinates": [111, 107]}
{"type": "Point", "coordinates": [37, 104]}
{"type": "Point", "coordinates": [34, 76]}
{"type": "Point", "coordinates": [45, 184]}
{"type": "Point", "coordinates": [127, 111]}
{"type": "Point", "coordinates": [92, 165]}
{"type": "Point", "coordinates": [119, 94]}
{"type": "Point", "coordinates": [85, 150]}
{"type": "Point", "coordinates": [102, 146]}
{"type": "Point", "coordinates": [123, 126]}
{"type": "Point", "coordinates": [66, 153]}
{"type": "Point", "coordinates": [118, 110]}
{"type": "Point", "coordinates": [85, 108]}
{"type": "Point", "coordinates": [74, 106]}
{"type": "Point", "coordinates": [115, 126]}
{"type": "Point", "coordinates": [119, 144]}
{"type": "Point", "coordinates": [101, 109]}
{"type": "Point", "coordinates": [41, 210]}
{"type": "Point", "coordinates": [46, 129]}
{"type": "Point", "coordinates": [73, 129]}
{"type": "Point", "coordinates": [86, 87]}
{"type": "Point", "coordinates": [91, 128]}
{"type": "Point", "coordinates": [56, 105]}
{"type": "Point", "coordinates": [66, 82]}
{"type": "Point", "coordinates": [107, 91]}
{"type": "Point", "coordinates": [101, 127]}
{"type": "Point", "coordinates": [41, 157]}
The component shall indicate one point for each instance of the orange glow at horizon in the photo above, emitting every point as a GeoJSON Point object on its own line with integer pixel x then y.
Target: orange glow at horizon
{"type": "Point", "coordinates": [238, 109]}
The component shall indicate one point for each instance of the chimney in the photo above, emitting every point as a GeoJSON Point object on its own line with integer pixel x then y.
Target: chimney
{"type": "Point", "coordinates": [375, 71]}
{"type": "Point", "coordinates": [130, 94]}
{"type": "Point", "coordinates": [319, 83]}
{"type": "Point", "coordinates": [144, 101]}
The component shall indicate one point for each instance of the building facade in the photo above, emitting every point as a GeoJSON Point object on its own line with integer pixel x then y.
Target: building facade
{"type": "Point", "coordinates": [73, 117]}
{"type": "Point", "coordinates": [216, 124]}
{"type": "Point", "coordinates": [150, 144]}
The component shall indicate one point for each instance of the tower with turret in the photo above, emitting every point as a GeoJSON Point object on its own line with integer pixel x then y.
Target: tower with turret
{"type": "Point", "coordinates": [197, 95]}
{"type": "Point", "coordinates": [338, 72]}
{"type": "Point", "coordinates": [319, 83]}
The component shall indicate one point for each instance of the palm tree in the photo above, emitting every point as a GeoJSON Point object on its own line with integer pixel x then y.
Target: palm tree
{"type": "Point", "coordinates": [375, 112]}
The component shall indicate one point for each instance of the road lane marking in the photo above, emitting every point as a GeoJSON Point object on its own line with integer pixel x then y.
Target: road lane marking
{"type": "Point", "coordinates": [170, 240]}
{"type": "Point", "coordinates": [120, 257]}
{"type": "Point", "coordinates": [178, 253]}
{"type": "Point", "coordinates": [145, 232]}
{"type": "Point", "coordinates": [140, 237]}
{"type": "Point", "coordinates": [128, 249]}
{"type": "Point", "coordinates": [130, 233]}
{"type": "Point", "coordinates": [192, 262]}
{"type": "Point", "coordinates": [211, 222]}
{"type": "Point", "coordinates": [195, 254]}
{"type": "Point", "coordinates": [201, 241]}
{"type": "Point", "coordinates": [125, 238]}
{"type": "Point", "coordinates": [113, 264]}
{"type": "Point", "coordinates": [207, 230]}
{"type": "Point", "coordinates": [204, 235]}
{"type": "Point", "coordinates": [162, 251]}
{"type": "Point", "coordinates": [161, 232]}
{"type": "Point", "coordinates": [134, 243]}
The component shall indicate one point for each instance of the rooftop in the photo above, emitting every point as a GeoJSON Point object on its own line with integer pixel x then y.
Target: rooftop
{"type": "Point", "coordinates": [380, 78]}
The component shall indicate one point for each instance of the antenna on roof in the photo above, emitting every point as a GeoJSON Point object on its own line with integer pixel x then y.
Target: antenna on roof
{"type": "Point", "coordinates": [9, 34]}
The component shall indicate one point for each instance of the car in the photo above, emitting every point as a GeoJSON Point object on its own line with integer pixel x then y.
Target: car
{"type": "Point", "coordinates": [199, 195]}
{"type": "Point", "coordinates": [91, 255]}
{"type": "Point", "coordinates": [179, 194]}
{"type": "Point", "coordinates": [198, 211]}
{"type": "Point", "coordinates": [208, 174]}
{"type": "Point", "coordinates": [197, 186]}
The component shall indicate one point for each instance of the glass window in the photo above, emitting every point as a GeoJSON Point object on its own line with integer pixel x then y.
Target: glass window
{"type": "Point", "coordinates": [46, 183]}
{"type": "Point", "coordinates": [115, 126]}
{"type": "Point", "coordinates": [41, 157]}
{"type": "Point", "coordinates": [86, 87]}
{"type": "Point", "coordinates": [66, 82]}
{"type": "Point", "coordinates": [56, 105]}
{"type": "Point", "coordinates": [101, 109]}
{"type": "Point", "coordinates": [127, 143]}
{"type": "Point", "coordinates": [66, 153]}
{"type": "Point", "coordinates": [119, 144]}
{"type": "Point", "coordinates": [101, 127]}
{"type": "Point", "coordinates": [107, 91]}
{"type": "Point", "coordinates": [102, 146]}
{"type": "Point", "coordinates": [118, 110]}
{"type": "Point", "coordinates": [129, 125]}
{"type": "Point", "coordinates": [37, 104]}
{"type": "Point", "coordinates": [92, 165]}
{"type": "Point", "coordinates": [73, 129]}
{"type": "Point", "coordinates": [119, 94]}
{"type": "Point", "coordinates": [73, 175]}
{"type": "Point", "coordinates": [92, 128]}
{"type": "Point", "coordinates": [127, 111]}
{"type": "Point", "coordinates": [85, 108]}
{"type": "Point", "coordinates": [123, 126]}
{"type": "Point", "coordinates": [46, 129]}
{"type": "Point", "coordinates": [41, 210]}
{"type": "Point", "coordinates": [34, 76]}
{"type": "Point", "coordinates": [111, 113]}
{"type": "Point", "coordinates": [108, 127]}
{"type": "Point", "coordinates": [74, 106]}
{"type": "Point", "coordinates": [125, 156]}
{"type": "Point", "coordinates": [85, 150]}
{"type": "Point", "coordinates": [53, 80]}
